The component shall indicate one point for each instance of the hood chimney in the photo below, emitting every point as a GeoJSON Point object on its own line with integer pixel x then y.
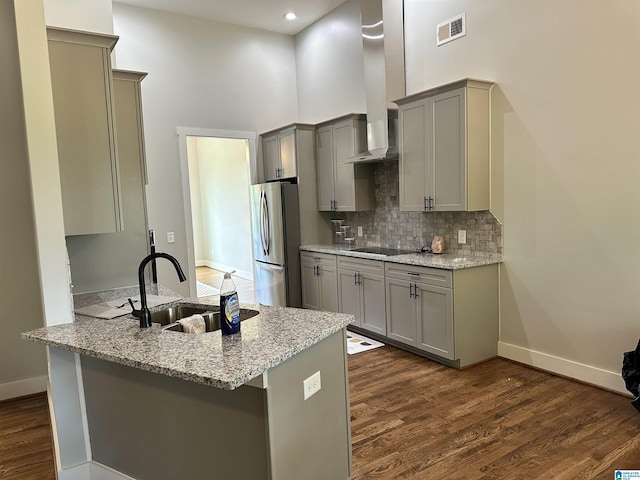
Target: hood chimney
{"type": "Point", "coordinates": [383, 56]}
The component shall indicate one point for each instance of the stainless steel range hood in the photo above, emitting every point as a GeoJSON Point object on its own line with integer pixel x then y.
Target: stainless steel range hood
{"type": "Point", "coordinates": [383, 54]}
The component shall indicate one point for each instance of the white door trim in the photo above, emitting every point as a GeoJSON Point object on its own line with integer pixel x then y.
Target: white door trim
{"type": "Point", "coordinates": [183, 133]}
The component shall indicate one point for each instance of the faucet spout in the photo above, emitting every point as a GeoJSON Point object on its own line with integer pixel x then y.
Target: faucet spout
{"type": "Point", "coordinates": [145, 314]}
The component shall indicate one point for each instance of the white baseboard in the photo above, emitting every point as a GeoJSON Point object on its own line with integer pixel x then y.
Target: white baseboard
{"type": "Point", "coordinates": [20, 388]}
{"type": "Point", "coordinates": [92, 471]}
{"type": "Point", "coordinates": [562, 366]}
{"type": "Point", "coordinates": [225, 268]}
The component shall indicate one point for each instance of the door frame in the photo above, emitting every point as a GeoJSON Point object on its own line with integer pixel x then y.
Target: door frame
{"type": "Point", "coordinates": [183, 133]}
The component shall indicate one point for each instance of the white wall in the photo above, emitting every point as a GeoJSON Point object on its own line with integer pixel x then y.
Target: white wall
{"type": "Point", "coordinates": [89, 15]}
{"type": "Point", "coordinates": [565, 167]}
{"type": "Point", "coordinates": [329, 66]}
{"type": "Point", "coordinates": [23, 366]}
{"type": "Point", "coordinates": [202, 74]}
{"type": "Point", "coordinates": [222, 210]}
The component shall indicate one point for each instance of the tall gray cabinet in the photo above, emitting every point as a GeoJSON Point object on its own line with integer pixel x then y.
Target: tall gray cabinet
{"type": "Point", "coordinates": [444, 148]}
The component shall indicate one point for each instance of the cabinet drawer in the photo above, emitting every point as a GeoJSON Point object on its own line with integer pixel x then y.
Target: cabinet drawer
{"type": "Point", "coordinates": [362, 265]}
{"type": "Point", "coordinates": [431, 276]}
{"type": "Point", "coordinates": [322, 259]}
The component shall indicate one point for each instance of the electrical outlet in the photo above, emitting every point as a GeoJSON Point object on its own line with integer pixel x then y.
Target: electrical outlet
{"type": "Point", "coordinates": [171, 237]}
{"type": "Point", "coordinates": [312, 385]}
{"type": "Point", "coordinates": [359, 231]}
{"type": "Point", "coordinates": [462, 236]}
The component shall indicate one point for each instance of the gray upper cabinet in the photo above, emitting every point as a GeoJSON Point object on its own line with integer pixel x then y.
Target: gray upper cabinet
{"type": "Point", "coordinates": [83, 103]}
{"type": "Point", "coordinates": [342, 186]}
{"type": "Point", "coordinates": [104, 261]}
{"type": "Point", "coordinates": [281, 150]}
{"type": "Point", "coordinates": [444, 148]}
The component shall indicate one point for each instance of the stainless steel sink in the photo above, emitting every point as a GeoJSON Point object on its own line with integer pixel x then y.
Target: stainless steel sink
{"type": "Point", "coordinates": [169, 317]}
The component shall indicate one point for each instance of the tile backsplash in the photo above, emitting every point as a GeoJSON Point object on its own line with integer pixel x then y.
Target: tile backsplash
{"type": "Point", "coordinates": [388, 226]}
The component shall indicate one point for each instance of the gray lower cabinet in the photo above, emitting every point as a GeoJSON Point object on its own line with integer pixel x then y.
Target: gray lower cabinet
{"type": "Point", "coordinates": [361, 292]}
{"type": "Point", "coordinates": [82, 85]}
{"type": "Point", "coordinates": [319, 281]}
{"type": "Point", "coordinates": [419, 313]}
{"type": "Point", "coordinates": [450, 314]}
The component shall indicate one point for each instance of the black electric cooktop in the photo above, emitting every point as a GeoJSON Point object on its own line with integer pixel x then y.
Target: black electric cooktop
{"type": "Point", "coordinates": [383, 251]}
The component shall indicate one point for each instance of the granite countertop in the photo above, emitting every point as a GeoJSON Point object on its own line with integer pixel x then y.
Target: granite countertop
{"type": "Point", "coordinates": [266, 340]}
{"type": "Point", "coordinates": [444, 261]}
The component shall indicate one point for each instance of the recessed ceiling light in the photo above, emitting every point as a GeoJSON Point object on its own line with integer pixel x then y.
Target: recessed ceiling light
{"type": "Point", "coordinates": [289, 16]}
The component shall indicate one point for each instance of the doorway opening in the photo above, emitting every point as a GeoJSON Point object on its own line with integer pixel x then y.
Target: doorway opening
{"type": "Point", "coordinates": [218, 210]}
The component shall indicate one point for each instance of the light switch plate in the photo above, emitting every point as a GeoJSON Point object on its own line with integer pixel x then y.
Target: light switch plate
{"type": "Point", "coordinates": [312, 385]}
{"type": "Point", "coordinates": [359, 231]}
{"type": "Point", "coordinates": [462, 236]}
{"type": "Point", "coordinates": [171, 237]}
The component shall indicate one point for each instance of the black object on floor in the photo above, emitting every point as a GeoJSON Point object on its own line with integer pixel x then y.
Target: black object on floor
{"type": "Point", "coordinates": [631, 373]}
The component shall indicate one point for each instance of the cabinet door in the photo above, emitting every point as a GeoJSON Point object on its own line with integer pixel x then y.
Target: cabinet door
{"type": "Point", "coordinates": [414, 162]}
{"type": "Point", "coordinates": [344, 147]}
{"type": "Point", "coordinates": [287, 146]}
{"type": "Point", "coordinates": [448, 152]}
{"type": "Point", "coordinates": [373, 305]}
{"type": "Point", "coordinates": [328, 288]}
{"type": "Point", "coordinates": [310, 289]}
{"type": "Point", "coordinates": [435, 320]}
{"type": "Point", "coordinates": [401, 314]}
{"type": "Point", "coordinates": [325, 166]}
{"type": "Point", "coordinates": [349, 295]}
{"type": "Point", "coordinates": [82, 97]}
{"type": "Point", "coordinates": [270, 157]}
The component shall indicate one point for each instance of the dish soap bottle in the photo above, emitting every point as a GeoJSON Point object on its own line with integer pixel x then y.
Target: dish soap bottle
{"type": "Point", "coordinates": [229, 306]}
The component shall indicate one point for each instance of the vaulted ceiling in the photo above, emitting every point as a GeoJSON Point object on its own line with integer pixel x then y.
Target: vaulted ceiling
{"type": "Point", "coordinates": [262, 14]}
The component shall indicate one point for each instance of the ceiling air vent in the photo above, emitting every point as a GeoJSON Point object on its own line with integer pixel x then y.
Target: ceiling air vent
{"type": "Point", "coordinates": [450, 30]}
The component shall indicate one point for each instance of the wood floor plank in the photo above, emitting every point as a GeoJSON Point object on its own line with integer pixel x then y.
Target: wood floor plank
{"type": "Point", "coordinates": [26, 448]}
{"type": "Point", "coordinates": [496, 420]}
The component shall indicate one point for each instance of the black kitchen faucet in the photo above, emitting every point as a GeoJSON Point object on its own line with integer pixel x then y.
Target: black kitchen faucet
{"type": "Point", "coordinates": [144, 313]}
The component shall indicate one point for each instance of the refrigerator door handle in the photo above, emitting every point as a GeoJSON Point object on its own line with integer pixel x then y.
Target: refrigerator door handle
{"type": "Point", "coordinates": [262, 220]}
{"type": "Point", "coordinates": [267, 225]}
{"type": "Point", "coordinates": [271, 268]}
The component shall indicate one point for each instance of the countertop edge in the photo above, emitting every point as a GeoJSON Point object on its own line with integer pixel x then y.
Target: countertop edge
{"type": "Point", "coordinates": [446, 261]}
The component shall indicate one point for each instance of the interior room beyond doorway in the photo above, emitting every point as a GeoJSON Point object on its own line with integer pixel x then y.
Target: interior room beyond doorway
{"type": "Point", "coordinates": [219, 182]}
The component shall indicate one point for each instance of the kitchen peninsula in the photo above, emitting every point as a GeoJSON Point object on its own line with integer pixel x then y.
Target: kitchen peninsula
{"type": "Point", "coordinates": [268, 403]}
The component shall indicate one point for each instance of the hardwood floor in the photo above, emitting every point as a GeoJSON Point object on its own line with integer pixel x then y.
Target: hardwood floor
{"type": "Point", "coordinates": [26, 449]}
{"type": "Point", "coordinates": [413, 418]}
{"type": "Point", "coordinates": [213, 277]}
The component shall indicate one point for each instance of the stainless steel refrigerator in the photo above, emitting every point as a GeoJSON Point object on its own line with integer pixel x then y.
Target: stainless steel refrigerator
{"type": "Point", "coordinates": [276, 240]}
